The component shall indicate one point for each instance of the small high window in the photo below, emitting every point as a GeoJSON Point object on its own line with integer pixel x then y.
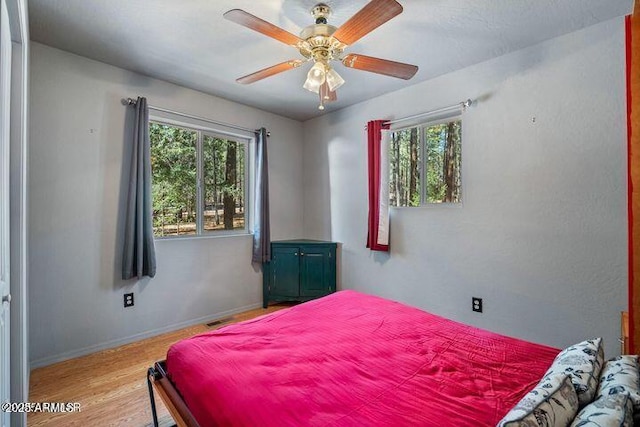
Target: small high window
{"type": "Point", "coordinates": [425, 164]}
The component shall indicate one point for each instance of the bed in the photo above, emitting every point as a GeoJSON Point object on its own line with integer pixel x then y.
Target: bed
{"type": "Point", "coordinates": [348, 359]}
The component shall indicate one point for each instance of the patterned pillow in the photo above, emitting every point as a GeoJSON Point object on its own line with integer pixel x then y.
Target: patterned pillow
{"type": "Point", "coordinates": [553, 402]}
{"type": "Point", "coordinates": [621, 375]}
{"type": "Point", "coordinates": [615, 410]}
{"type": "Point", "coordinates": [583, 363]}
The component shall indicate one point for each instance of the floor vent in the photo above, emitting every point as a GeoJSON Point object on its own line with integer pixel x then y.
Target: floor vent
{"type": "Point", "coordinates": [219, 322]}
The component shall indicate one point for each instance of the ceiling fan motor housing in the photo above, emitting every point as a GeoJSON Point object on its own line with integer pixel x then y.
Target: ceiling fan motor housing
{"type": "Point", "coordinates": [318, 43]}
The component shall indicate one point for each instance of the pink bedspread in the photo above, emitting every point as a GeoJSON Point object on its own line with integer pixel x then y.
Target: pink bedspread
{"type": "Point", "coordinates": [351, 359]}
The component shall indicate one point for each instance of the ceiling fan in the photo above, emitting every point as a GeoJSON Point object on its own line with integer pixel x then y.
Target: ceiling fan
{"type": "Point", "coordinates": [322, 43]}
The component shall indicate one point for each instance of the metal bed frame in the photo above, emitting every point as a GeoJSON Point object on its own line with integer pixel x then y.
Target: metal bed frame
{"type": "Point", "coordinates": [157, 379]}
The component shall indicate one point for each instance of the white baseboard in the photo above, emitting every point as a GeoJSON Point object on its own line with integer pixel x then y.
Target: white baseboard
{"type": "Point", "coordinates": [38, 363]}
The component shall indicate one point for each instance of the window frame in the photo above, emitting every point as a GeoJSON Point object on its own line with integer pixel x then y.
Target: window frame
{"type": "Point", "coordinates": [422, 144]}
{"type": "Point", "coordinates": [241, 139]}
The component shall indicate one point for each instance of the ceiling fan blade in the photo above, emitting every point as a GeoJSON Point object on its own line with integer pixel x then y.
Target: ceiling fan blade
{"type": "Point", "coordinates": [248, 20]}
{"type": "Point", "coordinates": [270, 71]}
{"type": "Point", "coordinates": [367, 19]}
{"type": "Point", "coordinates": [380, 66]}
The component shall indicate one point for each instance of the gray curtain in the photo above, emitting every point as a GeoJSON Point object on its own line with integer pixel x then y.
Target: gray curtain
{"type": "Point", "coordinates": [261, 228]}
{"type": "Point", "coordinates": [139, 255]}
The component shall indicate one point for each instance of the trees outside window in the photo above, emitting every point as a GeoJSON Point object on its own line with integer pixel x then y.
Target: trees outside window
{"type": "Point", "coordinates": [425, 163]}
{"type": "Point", "coordinates": [224, 184]}
{"type": "Point", "coordinates": [198, 181]}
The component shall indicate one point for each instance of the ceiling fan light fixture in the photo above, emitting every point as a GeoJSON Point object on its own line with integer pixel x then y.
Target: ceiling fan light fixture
{"type": "Point", "coordinates": [334, 80]}
{"type": "Point", "coordinates": [315, 78]}
{"type": "Point", "coordinates": [324, 92]}
{"type": "Point", "coordinates": [326, 95]}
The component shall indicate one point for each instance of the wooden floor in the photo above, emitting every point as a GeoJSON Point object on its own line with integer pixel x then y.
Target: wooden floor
{"type": "Point", "coordinates": [111, 385]}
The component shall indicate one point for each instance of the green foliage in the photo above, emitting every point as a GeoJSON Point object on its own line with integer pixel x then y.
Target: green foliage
{"type": "Point", "coordinates": [435, 136]}
{"type": "Point", "coordinates": [443, 146]}
{"type": "Point", "coordinates": [173, 162]}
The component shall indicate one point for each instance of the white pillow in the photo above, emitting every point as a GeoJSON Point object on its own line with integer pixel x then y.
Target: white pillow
{"type": "Point", "coordinates": [621, 375]}
{"type": "Point", "coordinates": [553, 402]}
{"type": "Point", "coordinates": [615, 410]}
{"type": "Point", "coordinates": [583, 363]}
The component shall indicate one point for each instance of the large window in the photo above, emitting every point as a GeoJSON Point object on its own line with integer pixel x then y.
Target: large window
{"type": "Point", "coordinates": [425, 164]}
{"type": "Point", "coordinates": [199, 181]}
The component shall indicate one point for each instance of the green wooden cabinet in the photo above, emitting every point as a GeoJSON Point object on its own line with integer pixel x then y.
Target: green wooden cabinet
{"type": "Point", "coordinates": [299, 270]}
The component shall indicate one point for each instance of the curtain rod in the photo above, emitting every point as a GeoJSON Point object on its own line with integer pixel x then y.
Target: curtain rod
{"type": "Point", "coordinates": [131, 101]}
{"type": "Point", "coordinates": [459, 106]}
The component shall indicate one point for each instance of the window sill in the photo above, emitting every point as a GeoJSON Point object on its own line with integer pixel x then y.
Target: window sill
{"type": "Point", "coordinates": [201, 236]}
{"type": "Point", "coordinates": [457, 205]}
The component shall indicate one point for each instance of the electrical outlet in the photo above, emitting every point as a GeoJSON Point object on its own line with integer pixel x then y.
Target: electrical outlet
{"type": "Point", "coordinates": [128, 300]}
{"type": "Point", "coordinates": [476, 304]}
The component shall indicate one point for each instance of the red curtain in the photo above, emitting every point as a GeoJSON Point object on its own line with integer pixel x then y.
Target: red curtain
{"type": "Point", "coordinates": [374, 136]}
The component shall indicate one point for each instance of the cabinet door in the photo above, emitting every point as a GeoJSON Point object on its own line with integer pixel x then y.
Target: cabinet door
{"type": "Point", "coordinates": [317, 276]}
{"type": "Point", "coordinates": [285, 271]}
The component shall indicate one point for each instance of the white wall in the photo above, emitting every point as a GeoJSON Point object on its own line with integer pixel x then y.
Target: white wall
{"type": "Point", "coordinates": [77, 199]}
{"type": "Point", "coordinates": [542, 232]}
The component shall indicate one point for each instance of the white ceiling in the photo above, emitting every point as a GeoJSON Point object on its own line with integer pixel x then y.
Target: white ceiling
{"type": "Point", "coordinates": [189, 43]}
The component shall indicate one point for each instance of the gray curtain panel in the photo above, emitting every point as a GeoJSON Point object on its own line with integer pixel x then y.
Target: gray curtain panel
{"type": "Point", "coordinates": [261, 228]}
{"type": "Point", "coordinates": [139, 255]}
